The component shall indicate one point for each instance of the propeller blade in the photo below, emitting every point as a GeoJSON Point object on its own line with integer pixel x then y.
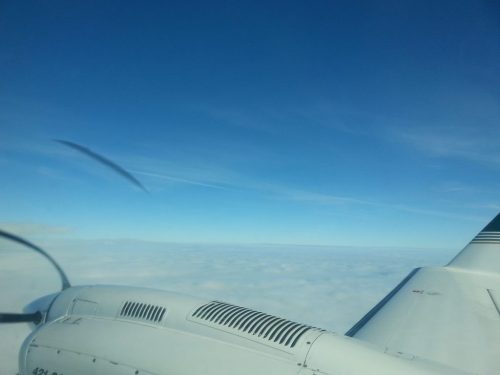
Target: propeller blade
{"type": "Point", "coordinates": [21, 318]}
{"type": "Point", "coordinates": [101, 159]}
{"type": "Point", "coordinates": [12, 237]}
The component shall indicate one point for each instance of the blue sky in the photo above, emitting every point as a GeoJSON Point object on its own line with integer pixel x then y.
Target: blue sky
{"type": "Point", "coordinates": [335, 123]}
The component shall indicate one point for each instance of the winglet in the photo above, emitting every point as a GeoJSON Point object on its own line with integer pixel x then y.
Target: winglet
{"type": "Point", "coordinates": [483, 252]}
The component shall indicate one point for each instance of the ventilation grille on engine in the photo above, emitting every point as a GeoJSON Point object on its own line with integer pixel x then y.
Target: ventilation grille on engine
{"type": "Point", "coordinates": [253, 323]}
{"type": "Point", "coordinates": [142, 311]}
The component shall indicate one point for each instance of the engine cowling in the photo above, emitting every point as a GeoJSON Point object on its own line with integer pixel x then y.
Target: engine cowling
{"type": "Point", "coordinates": [119, 330]}
{"type": "Point", "coordinates": [109, 330]}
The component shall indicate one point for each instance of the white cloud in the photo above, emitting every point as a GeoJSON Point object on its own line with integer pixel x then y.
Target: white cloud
{"type": "Point", "coordinates": [329, 287]}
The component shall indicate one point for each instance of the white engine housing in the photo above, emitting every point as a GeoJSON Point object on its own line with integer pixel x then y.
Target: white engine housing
{"type": "Point", "coordinates": [112, 330]}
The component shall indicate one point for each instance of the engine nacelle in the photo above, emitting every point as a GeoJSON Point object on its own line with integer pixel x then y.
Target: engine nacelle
{"type": "Point", "coordinates": [120, 330]}
{"type": "Point", "coordinates": [108, 330]}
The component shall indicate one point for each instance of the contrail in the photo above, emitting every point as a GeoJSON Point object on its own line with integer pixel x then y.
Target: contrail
{"type": "Point", "coordinates": [104, 161]}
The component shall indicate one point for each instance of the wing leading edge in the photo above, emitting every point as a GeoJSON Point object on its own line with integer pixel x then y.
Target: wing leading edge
{"type": "Point", "coordinates": [449, 314]}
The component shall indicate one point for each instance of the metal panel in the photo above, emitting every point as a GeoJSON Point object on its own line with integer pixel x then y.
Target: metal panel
{"type": "Point", "coordinates": [84, 307]}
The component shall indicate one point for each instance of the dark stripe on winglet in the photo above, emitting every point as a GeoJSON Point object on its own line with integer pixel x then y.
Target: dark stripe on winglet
{"type": "Point", "coordinates": [365, 319]}
{"type": "Point", "coordinates": [487, 238]}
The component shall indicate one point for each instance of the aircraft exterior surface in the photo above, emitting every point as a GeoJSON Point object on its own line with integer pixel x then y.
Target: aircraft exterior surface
{"type": "Point", "coordinates": [443, 320]}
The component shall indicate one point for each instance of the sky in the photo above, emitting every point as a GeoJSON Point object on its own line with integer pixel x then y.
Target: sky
{"type": "Point", "coordinates": [325, 123]}
{"type": "Point", "coordinates": [295, 153]}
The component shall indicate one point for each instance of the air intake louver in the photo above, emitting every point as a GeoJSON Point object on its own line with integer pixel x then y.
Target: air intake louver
{"type": "Point", "coordinates": [256, 324]}
{"type": "Point", "coordinates": [143, 311]}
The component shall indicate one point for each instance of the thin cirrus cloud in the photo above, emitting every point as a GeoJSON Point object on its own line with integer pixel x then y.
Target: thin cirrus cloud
{"type": "Point", "coordinates": [233, 180]}
{"type": "Point", "coordinates": [448, 142]}
{"type": "Point", "coordinates": [214, 175]}
{"type": "Point", "coordinates": [276, 191]}
{"type": "Point", "coordinates": [464, 127]}
{"type": "Point", "coordinates": [175, 179]}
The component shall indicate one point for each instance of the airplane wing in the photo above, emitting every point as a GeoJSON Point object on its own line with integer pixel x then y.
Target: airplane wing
{"type": "Point", "coordinates": [449, 314]}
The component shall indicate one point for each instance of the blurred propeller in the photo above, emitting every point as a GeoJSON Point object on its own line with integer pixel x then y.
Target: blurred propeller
{"type": "Point", "coordinates": [101, 159]}
{"type": "Point", "coordinates": [22, 241]}
{"type": "Point", "coordinates": [33, 312]}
